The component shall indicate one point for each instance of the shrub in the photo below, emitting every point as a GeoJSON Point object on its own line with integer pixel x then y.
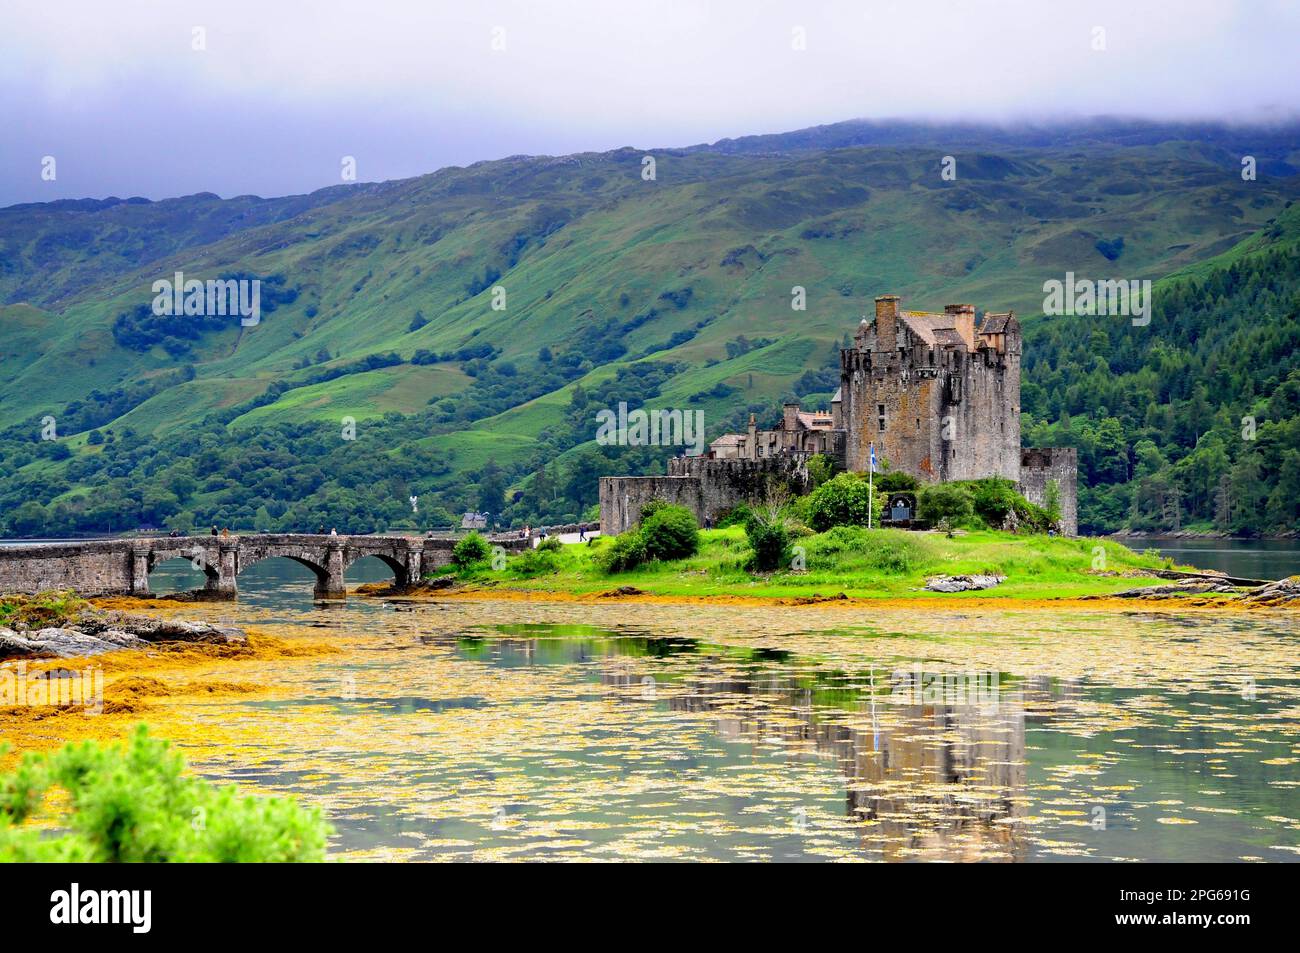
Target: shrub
{"type": "Point", "coordinates": [470, 551]}
{"type": "Point", "coordinates": [896, 480]}
{"type": "Point", "coordinates": [627, 551]}
{"type": "Point", "coordinates": [136, 805]}
{"type": "Point", "coordinates": [738, 515]}
{"type": "Point", "coordinates": [994, 498]}
{"type": "Point", "coordinates": [652, 507]}
{"type": "Point", "coordinates": [890, 551]}
{"type": "Point", "coordinates": [820, 469]}
{"type": "Point", "coordinates": [670, 532]}
{"type": "Point", "coordinates": [536, 562]}
{"type": "Point", "coordinates": [1052, 501]}
{"type": "Point", "coordinates": [770, 542]}
{"type": "Point", "coordinates": [551, 544]}
{"type": "Point", "coordinates": [948, 501]}
{"type": "Point", "coordinates": [842, 501]}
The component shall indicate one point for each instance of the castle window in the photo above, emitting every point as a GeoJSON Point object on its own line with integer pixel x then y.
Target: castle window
{"type": "Point", "coordinates": [918, 424]}
{"type": "Point", "coordinates": [880, 411]}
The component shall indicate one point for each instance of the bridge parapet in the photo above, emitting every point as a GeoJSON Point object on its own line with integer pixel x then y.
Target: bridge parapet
{"type": "Point", "coordinates": [122, 567]}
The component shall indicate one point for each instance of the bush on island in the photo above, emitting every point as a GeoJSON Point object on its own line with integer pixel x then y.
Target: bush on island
{"type": "Point", "coordinates": [626, 551]}
{"type": "Point", "coordinates": [738, 515]}
{"type": "Point", "coordinates": [770, 541]}
{"type": "Point", "coordinates": [849, 548]}
{"type": "Point", "coordinates": [470, 551]}
{"type": "Point", "coordinates": [670, 532]}
{"type": "Point", "coordinates": [895, 480]}
{"type": "Point", "coordinates": [651, 507]}
{"type": "Point", "coordinates": [995, 498]}
{"type": "Point", "coordinates": [843, 501]}
{"type": "Point", "coordinates": [542, 561]}
{"type": "Point", "coordinates": [945, 501]}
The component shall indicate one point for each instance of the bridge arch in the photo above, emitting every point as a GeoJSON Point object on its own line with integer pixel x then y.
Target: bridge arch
{"type": "Point", "coordinates": [323, 583]}
{"type": "Point", "coordinates": [397, 567]}
{"type": "Point", "coordinates": [200, 570]}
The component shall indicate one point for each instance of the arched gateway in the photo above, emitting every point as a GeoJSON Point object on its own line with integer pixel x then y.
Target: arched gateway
{"type": "Point", "coordinates": [122, 567]}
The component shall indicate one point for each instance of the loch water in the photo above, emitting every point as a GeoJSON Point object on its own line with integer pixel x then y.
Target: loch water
{"type": "Point", "coordinates": [632, 731]}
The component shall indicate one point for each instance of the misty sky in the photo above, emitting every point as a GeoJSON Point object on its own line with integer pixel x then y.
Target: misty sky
{"type": "Point", "coordinates": [117, 94]}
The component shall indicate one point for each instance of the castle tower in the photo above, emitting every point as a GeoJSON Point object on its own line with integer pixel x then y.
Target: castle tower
{"type": "Point", "coordinates": [886, 322]}
{"type": "Point", "coordinates": [938, 398]}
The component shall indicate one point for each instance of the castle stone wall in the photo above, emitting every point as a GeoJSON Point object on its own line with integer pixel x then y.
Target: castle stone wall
{"type": "Point", "coordinates": [621, 498]}
{"type": "Point", "coordinates": [1039, 467]}
{"type": "Point", "coordinates": [708, 488]}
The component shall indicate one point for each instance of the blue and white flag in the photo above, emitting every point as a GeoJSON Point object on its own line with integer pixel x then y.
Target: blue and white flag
{"type": "Point", "coordinates": [873, 458]}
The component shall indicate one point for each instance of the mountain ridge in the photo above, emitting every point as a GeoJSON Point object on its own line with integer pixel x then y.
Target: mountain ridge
{"type": "Point", "coordinates": [387, 287]}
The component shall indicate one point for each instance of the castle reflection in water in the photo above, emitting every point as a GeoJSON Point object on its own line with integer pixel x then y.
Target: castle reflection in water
{"type": "Point", "coordinates": [934, 768]}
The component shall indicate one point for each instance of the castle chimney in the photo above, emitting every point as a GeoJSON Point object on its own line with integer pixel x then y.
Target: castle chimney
{"type": "Point", "coordinates": [963, 319]}
{"type": "Point", "coordinates": [751, 445]}
{"type": "Point", "coordinates": [886, 322]}
{"type": "Point", "coordinates": [790, 416]}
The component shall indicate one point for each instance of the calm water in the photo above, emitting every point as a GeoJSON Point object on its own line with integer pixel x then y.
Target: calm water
{"type": "Point", "coordinates": [506, 730]}
{"type": "Point", "coordinates": [1249, 558]}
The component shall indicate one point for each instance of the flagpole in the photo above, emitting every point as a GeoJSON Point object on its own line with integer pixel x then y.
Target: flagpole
{"type": "Point", "coordinates": [871, 487]}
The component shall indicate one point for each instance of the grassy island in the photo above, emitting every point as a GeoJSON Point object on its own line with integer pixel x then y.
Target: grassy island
{"type": "Point", "coordinates": [860, 563]}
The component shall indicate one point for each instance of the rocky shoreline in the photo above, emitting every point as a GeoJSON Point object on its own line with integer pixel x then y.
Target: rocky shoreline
{"type": "Point", "coordinates": [1192, 534]}
{"type": "Point", "coordinates": [92, 631]}
{"type": "Point", "coordinates": [1284, 592]}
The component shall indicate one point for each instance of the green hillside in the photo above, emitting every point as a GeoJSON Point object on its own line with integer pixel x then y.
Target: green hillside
{"type": "Point", "coordinates": [1192, 422]}
{"type": "Point", "coordinates": [378, 306]}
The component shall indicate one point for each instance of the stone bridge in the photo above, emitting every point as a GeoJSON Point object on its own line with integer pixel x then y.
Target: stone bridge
{"type": "Point", "coordinates": [122, 567]}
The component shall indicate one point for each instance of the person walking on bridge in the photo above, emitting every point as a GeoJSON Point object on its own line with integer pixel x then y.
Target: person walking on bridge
{"type": "Point", "coordinates": [214, 529]}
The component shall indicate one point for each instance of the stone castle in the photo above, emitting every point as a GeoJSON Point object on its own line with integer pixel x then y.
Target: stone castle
{"type": "Point", "coordinates": [937, 397]}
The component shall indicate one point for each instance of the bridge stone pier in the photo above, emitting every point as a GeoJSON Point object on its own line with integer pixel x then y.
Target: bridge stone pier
{"type": "Point", "coordinates": [122, 567]}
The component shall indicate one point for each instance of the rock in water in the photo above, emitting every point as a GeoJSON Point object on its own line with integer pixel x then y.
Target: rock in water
{"type": "Point", "coordinates": [150, 629]}
{"type": "Point", "coordinates": [962, 583]}
{"type": "Point", "coordinates": [92, 633]}
{"type": "Point", "coordinates": [1173, 590]}
{"type": "Point", "coordinates": [68, 643]}
{"type": "Point", "coordinates": [1280, 593]}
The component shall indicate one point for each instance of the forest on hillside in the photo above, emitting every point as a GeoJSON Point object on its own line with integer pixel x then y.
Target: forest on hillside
{"type": "Point", "coordinates": [1191, 422]}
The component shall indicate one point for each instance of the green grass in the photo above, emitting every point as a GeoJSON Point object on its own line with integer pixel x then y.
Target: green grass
{"type": "Point", "coordinates": [405, 389]}
{"type": "Point", "coordinates": [852, 560]}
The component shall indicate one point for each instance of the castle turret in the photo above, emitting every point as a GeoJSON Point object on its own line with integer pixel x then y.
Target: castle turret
{"type": "Point", "coordinates": [887, 322]}
{"type": "Point", "coordinates": [963, 319]}
{"type": "Point", "coordinates": [790, 415]}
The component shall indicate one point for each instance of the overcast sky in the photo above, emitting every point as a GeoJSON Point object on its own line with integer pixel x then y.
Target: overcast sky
{"type": "Point", "coordinates": [116, 92]}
